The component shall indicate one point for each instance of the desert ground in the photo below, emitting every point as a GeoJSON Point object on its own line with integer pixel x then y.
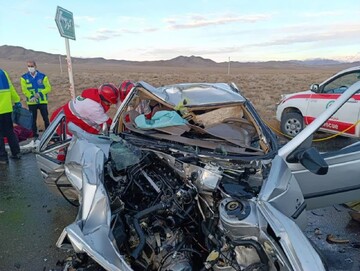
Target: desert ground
{"type": "Point", "coordinates": [261, 84]}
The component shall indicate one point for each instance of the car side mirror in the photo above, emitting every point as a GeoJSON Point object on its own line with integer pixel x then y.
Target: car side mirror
{"type": "Point", "coordinates": [312, 160]}
{"type": "Point", "coordinates": [315, 88]}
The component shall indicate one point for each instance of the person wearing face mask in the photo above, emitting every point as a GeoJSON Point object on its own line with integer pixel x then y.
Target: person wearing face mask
{"type": "Point", "coordinates": [35, 85]}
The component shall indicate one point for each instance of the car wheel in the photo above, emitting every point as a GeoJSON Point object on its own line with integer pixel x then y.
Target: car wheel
{"type": "Point", "coordinates": [292, 123]}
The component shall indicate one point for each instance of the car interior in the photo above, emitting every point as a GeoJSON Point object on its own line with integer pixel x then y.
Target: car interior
{"type": "Point", "coordinates": [224, 129]}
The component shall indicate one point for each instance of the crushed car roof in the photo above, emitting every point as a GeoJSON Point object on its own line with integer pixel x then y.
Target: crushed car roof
{"type": "Point", "coordinates": [197, 94]}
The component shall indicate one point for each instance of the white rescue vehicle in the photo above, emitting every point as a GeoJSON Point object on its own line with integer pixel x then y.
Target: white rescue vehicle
{"type": "Point", "coordinates": [299, 109]}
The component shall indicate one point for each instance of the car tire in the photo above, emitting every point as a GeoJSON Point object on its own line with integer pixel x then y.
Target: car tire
{"type": "Point", "coordinates": [292, 123]}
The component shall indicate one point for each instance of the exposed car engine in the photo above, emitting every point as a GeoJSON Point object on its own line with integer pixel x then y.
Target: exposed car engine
{"type": "Point", "coordinates": [185, 219]}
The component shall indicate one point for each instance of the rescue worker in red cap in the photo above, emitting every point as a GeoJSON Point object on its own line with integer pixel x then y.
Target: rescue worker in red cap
{"type": "Point", "coordinates": [146, 107]}
{"type": "Point", "coordinates": [124, 89]}
{"type": "Point", "coordinates": [89, 110]}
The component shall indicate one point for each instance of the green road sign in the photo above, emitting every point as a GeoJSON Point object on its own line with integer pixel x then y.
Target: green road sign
{"type": "Point", "coordinates": [65, 23]}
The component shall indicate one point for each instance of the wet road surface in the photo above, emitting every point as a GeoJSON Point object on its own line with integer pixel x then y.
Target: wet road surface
{"type": "Point", "coordinates": [335, 220]}
{"type": "Point", "coordinates": [32, 219]}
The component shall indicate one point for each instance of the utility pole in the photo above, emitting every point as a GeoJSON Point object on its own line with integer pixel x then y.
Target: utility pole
{"type": "Point", "coordinates": [60, 64]}
{"type": "Point", "coordinates": [229, 67]}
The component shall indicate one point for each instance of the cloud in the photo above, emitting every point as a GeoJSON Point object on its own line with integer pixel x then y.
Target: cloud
{"type": "Point", "coordinates": [98, 37]}
{"type": "Point", "coordinates": [106, 34]}
{"type": "Point", "coordinates": [333, 33]}
{"type": "Point", "coordinates": [88, 19]}
{"type": "Point", "coordinates": [192, 21]}
{"type": "Point", "coordinates": [130, 19]}
{"type": "Point", "coordinates": [171, 52]}
{"type": "Point", "coordinates": [332, 36]}
{"type": "Point", "coordinates": [197, 21]}
{"type": "Point", "coordinates": [324, 14]}
{"type": "Point", "coordinates": [103, 34]}
{"type": "Point", "coordinates": [138, 23]}
{"type": "Point", "coordinates": [150, 29]}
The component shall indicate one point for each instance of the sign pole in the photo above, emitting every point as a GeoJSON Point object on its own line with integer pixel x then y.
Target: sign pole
{"type": "Point", "coordinates": [69, 66]}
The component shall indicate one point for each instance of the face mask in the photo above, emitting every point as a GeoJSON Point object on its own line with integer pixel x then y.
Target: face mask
{"type": "Point", "coordinates": [31, 69]}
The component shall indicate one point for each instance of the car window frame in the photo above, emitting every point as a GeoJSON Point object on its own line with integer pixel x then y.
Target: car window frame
{"type": "Point", "coordinates": [332, 80]}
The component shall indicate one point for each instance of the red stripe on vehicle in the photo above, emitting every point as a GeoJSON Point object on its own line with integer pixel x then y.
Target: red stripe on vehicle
{"type": "Point", "coordinates": [298, 96]}
{"type": "Point", "coordinates": [319, 96]}
{"type": "Point", "coordinates": [333, 125]}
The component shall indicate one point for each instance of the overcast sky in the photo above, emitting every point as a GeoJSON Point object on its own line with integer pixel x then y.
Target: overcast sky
{"type": "Point", "coordinates": [239, 30]}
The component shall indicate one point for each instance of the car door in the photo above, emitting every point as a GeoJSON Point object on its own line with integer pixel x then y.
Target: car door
{"type": "Point", "coordinates": [53, 140]}
{"type": "Point", "coordinates": [341, 184]}
{"type": "Point", "coordinates": [345, 118]}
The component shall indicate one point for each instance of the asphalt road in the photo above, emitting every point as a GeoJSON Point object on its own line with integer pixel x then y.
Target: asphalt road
{"type": "Point", "coordinates": [344, 254]}
{"type": "Point", "coordinates": [32, 218]}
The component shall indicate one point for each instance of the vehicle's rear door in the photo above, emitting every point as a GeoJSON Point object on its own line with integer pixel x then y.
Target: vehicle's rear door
{"type": "Point", "coordinates": [341, 184]}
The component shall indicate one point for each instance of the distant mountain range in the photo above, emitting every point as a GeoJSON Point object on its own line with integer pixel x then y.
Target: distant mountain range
{"type": "Point", "coordinates": [16, 53]}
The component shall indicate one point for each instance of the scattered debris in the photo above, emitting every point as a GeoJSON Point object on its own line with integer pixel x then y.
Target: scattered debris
{"type": "Point", "coordinates": [317, 231]}
{"type": "Point", "coordinates": [334, 240]}
{"type": "Point", "coordinates": [314, 213]}
{"type": "Point", "coordinates": [355, 205]}
{"type": "Point", "coordinates": [78, 262]}
{"type": "Point", "coordinates": [30, 147]}
{"type": "Point", "coordinates": [355, 215]}
{"type": "Point", "coordinates": [355, 244]}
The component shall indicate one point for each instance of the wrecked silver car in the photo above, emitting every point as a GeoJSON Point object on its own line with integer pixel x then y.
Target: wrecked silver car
{"type": "Point", "coordinates": [201, 185]}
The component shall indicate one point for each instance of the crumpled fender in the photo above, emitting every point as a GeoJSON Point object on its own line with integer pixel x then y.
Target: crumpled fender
{"type": "Point", "coordinates": [90, 233]}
